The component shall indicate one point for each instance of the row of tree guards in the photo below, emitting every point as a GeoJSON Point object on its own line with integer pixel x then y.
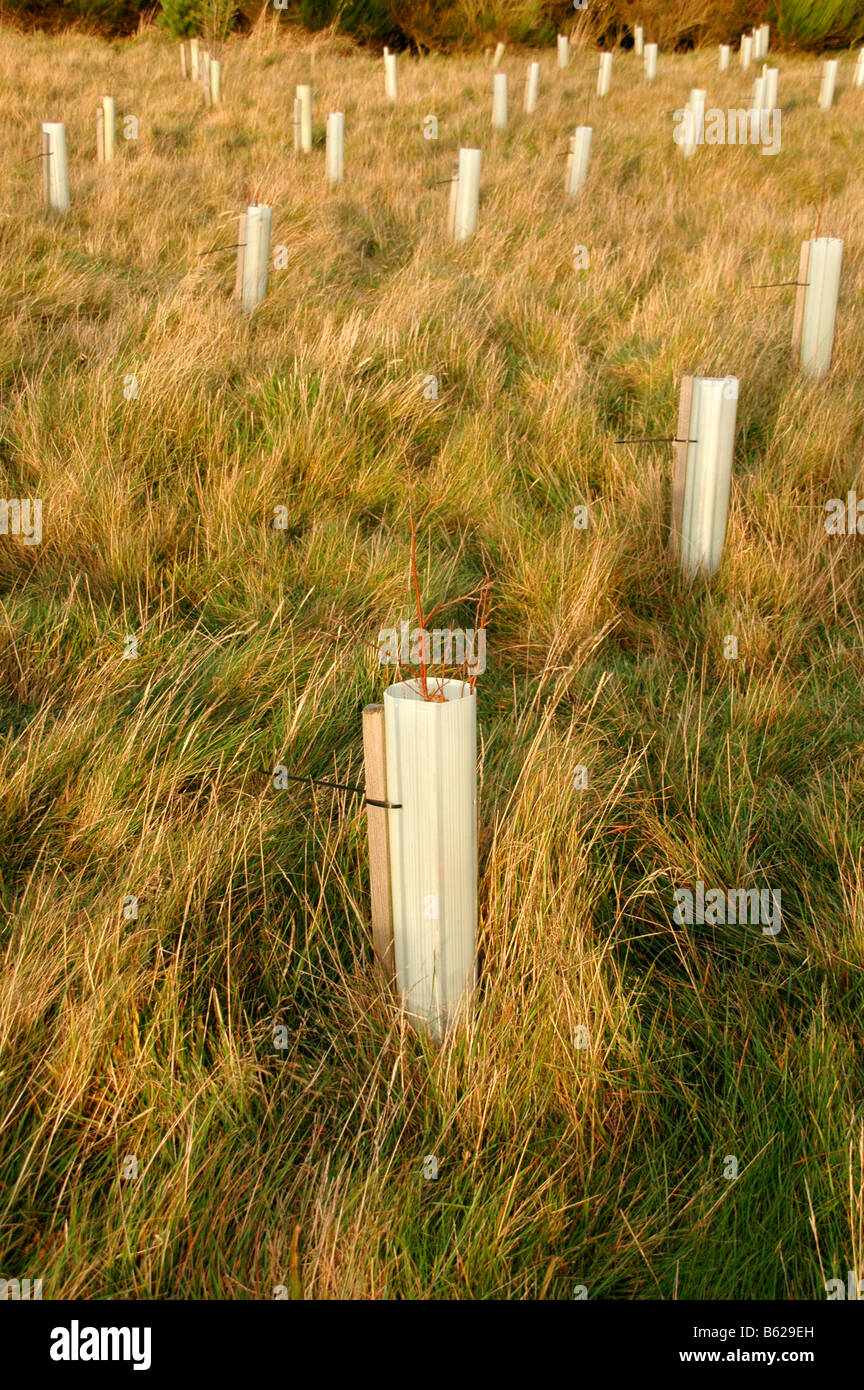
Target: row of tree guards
{"type": "Point", "coordinates": [648, 51]}
{"type": "Point", "coordinates": [202, 67]}
{"type": "Point", "coordinates": [420, 744]}
{"type": "Point", "coordinates": [765, 95]}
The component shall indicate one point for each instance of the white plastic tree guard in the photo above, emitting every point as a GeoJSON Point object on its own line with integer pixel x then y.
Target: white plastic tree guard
{"type": "Point", "coordinates": [858, 78]}
{"type": "Point", "coordinates": [335, 157]}
{"type": "Point", "coordinates": [206, 64]}
{"type": "Point", "coordinates": [725, 55]}
{"type": "Point", "coordinates": [466, 210]}
{"type": "Point", "coordinates": [563, 50]}
{"type": "Point", "coordinates": [756, 99]}
{"type": "Point", "coordinates": [499, 54]}
{"type": "Point", "coordinates": [577, 160]}
{"type": "Point", "coordinates": [638, 40]}
{"type": "Point", "coordinates": [604, 76]}
{"type": "Point", "coordinates": [431, 763]}
{"type": "Point", "coordinates": [253, 255]}
{"type": "Point", "coordinates": [303, 120]}
{"type": "Point", "coordinates": [55, 168]}
{"type": "Point", "coordinates": [829, 82]}
{"type": "Point", "coordinates": [216, 82]}
{"type": "Point", "coordinates": [531, 88]}
{"type": "Point", "coordinates": [761, 38]}
{"type": "Point", "coordinates": [499, 101]}
{"type": "Point", "coordinates": [391, 78]}
{"type": "Point", "coordinates": [819, 269]}
{"type": "Point", "coordinates": [771, 78]}
{"type": "Point", "coordinates": [746, 50]}
{"type": "Point", "coordinates": [706, 421]}
{"type": "Point", "coordinates": [650, 61]}
{"type": "Point", "coordinates": [694, 129]}
{"type": "Point", "coordinates": [183, 72]}
{"type": "Point", "coordinates": [194, 54]}
{"type": "Point", "coordinates": [106, 121]}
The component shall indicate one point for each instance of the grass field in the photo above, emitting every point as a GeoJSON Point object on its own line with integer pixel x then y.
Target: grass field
{"type": "Point", "coordinates": [152, 1037]}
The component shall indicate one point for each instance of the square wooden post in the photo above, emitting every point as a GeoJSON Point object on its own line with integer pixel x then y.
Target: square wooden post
{"type": "Point", "coordinates": [379, 841]}
{"type": "Point", "coordinates": [679, 476]}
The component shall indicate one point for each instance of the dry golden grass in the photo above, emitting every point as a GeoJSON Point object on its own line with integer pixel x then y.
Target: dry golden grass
{"type": "Point", "coordinates": [150, 777]}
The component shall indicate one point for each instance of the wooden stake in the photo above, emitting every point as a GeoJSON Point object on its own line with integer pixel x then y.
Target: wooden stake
{"type": "Point", "coordinates": [800, 297]}
{"type": "Point", "coordinates": [379, 841]}
{"type": "Point", "coordinates": [679, 476]}
{"type": "Point", "coordinates": [454, 195]}
{"type": "Point", "coordinates": [241, 256]}
{"type": "Point", "coordinates": [105, 130]}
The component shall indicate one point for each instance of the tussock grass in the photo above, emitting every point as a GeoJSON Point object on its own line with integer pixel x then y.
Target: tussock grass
{"type": "Point", "coordinates": [153, 1036]}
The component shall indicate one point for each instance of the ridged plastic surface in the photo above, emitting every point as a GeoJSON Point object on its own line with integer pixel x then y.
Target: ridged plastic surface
{"type": "Point", "coordinates": [709, 473]}
{"type": "Point", "coordinates": [431, 753]}
{"type": "Point", "coordinates": [820, 304]}
{"type": "Point", "coordinates": [335, 146]}
{"type": "Point", "coordinates": [499, 101]}
{"type": "Point", "coordinates": [578, 171]}
{"type": "Point", "coordinates": [58, 168]}
{"type": "Point", "coordinates": [257, 259]}
{"type": "Point", "coordinates": [467, 194]}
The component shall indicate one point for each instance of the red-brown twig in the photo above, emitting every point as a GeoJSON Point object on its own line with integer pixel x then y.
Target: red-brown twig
{"type": "Point", "coordinates": [484, 588]}
{"type": "Point", "coordinates": [423, 665]}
